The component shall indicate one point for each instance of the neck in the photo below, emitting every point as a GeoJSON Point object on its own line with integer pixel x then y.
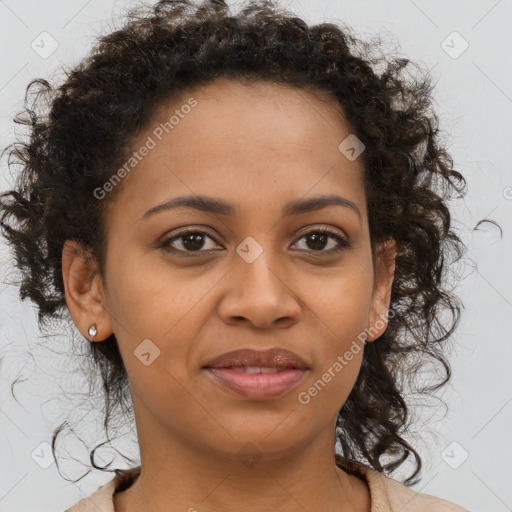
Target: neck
{"type": "Point", "coordinates": [178, 475]}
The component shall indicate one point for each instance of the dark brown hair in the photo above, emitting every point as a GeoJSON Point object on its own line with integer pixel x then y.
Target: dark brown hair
{"type": "Point", "coordinates": [108, 99]}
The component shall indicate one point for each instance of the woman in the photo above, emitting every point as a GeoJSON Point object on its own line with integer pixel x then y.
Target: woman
{"type": "Point", "coordinates": [249, 225]}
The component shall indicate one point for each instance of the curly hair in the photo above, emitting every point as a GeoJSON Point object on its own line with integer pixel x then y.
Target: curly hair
{"type": "Point", "coordinates": [160, 51]}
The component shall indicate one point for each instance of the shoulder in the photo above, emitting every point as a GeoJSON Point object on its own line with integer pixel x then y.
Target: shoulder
{"type": "Point", "coordinates": [389, 495]}
{"type": "Point", "coordinates": [103, 498]}
{"type": "Point", "coordinates": [406, 499]}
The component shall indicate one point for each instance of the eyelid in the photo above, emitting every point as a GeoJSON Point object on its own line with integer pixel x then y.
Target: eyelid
{"type": "Point", "coordinates": [342, 240]}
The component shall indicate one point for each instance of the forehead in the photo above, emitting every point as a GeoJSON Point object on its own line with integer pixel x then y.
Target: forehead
{"type": "Point", "coordinates": [227, 139]}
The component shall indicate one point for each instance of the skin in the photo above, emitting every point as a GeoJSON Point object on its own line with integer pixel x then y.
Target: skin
{"type": "Point", "coordinates": [257, 147]}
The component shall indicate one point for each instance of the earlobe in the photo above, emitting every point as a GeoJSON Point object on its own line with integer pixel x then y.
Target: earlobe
{"type": "Point", "coordinates": [384, 275]}
{"type": "Point", "coordinates": [83, 291]}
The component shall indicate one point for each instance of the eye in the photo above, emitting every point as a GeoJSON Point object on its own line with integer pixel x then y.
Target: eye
{"type": "Point", "coordinates": [318, 238]}
{"type": "Point", "coordinates": [193, 241]}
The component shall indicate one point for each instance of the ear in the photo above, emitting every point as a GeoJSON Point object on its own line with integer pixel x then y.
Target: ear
{"type": "Point", "coordinates": [84, 290]}
{"type": "Point", "coordinates": [383, 281]}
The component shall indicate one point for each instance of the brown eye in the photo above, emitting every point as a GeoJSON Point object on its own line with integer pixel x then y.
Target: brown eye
{"type": "Point", "coordinates": [187, 242]}
{"type": "Point", "coordinates": [194, 241]}
{"type": "Point", "coordinates": [318, 240]}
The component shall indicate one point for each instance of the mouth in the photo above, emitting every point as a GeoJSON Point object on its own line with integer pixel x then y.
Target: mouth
{"type": "Point", "coordinates": [252, 369]}
{"type": "Point", "coordinates": [257, 375]}
{"type": "Point", "coordinates": [271, 359]}
{"type": "Point", "coordinates": [257, 383]}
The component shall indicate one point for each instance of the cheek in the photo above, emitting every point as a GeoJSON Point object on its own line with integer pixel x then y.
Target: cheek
{"type": "Point", "coordinates": [152, 300]}
{"type": "Point", "coordinates": [343, 311]}
{"type": "Point", "coordinates": [322, 397]}
{"type": "Point", "coordinates": [341, 316]}
{"type": "Point", "coordinates": [163, 306]}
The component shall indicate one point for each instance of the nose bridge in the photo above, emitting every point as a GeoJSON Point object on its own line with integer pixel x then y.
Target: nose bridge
{"type": "Point", "coordinates": [259, 269]}
{"type": "Point", "coordinates": [259, 291]}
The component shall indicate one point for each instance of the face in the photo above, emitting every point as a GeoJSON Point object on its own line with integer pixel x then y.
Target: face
{"type": "Point", "coordinates": [253, 274]}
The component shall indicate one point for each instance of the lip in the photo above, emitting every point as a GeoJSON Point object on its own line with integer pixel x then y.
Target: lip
{"type": "Point", "coordinates": [258, 386]}
{"type": "Point", "coordinates": [271, 358]}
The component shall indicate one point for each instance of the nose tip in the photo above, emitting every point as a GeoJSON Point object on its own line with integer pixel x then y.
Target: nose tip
{"type": "Point", "coordinates": [260, 296]}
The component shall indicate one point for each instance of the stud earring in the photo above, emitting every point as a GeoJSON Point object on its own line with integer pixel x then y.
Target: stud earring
{"type": "Point", "coordinates": [92, 331]}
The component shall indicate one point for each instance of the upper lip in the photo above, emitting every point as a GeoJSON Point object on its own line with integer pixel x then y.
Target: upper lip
{"type": "Point", "coordinates": [271, 358]}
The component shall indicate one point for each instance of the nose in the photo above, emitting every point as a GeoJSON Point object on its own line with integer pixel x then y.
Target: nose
{"type": "Point", "coordinates": [259, 295]}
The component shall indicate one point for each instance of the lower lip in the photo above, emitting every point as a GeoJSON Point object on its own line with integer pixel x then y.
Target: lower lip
{"type": "Point", "coordinates": [257, 386]}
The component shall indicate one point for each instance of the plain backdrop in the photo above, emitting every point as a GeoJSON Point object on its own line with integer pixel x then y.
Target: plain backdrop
{"type": "Point", "coordinates": [466, 451]}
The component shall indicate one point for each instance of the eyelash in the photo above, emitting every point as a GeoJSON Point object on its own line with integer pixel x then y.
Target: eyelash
{"type": "Point", "coordinates": [343, 243]}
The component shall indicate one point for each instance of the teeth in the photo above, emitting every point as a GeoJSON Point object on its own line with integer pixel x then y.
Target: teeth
{"type": "Point", "coordinates": [257, 369]}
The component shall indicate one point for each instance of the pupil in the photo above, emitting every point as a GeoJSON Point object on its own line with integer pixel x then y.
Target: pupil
{"type": "Point", "coordinates": [194, 241]}
{"type": "Point", "coordinates": [316, 237]}
{"type": "Point", "coordinates": [196, 238]}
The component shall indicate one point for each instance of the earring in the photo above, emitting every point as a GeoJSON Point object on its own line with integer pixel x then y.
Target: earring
{"type": "Point", "coordinates": [92, 331]}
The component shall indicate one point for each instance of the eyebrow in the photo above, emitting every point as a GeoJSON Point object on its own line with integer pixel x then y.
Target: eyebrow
{"type": "Point", "coordinates": [220, 207]}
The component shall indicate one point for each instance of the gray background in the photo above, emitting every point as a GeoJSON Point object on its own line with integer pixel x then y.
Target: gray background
{"type": "Point", "coordinates": [467, 450]}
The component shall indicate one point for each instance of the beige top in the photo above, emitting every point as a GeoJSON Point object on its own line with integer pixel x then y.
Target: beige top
{"type": "Point", "coordinates": [387, 495]}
